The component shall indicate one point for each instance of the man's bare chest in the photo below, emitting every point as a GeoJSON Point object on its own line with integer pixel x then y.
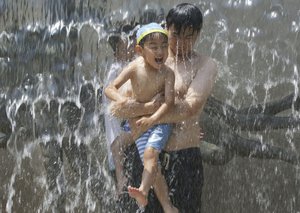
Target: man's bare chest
{"type": "Point", "coordinates": [183, 79]}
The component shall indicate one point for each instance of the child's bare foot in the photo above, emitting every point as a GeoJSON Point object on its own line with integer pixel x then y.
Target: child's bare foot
{"type": "Point", "coordinates": [140, 198]}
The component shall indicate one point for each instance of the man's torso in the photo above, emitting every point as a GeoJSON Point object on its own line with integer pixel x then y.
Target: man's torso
{"type": "Point", "coordinates": [186, 133]}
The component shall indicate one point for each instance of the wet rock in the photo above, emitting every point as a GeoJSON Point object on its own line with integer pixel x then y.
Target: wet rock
{"type": "Point", "coordinates": [87, 97]}
{"type": "Point", "coordinates": [70, 115]}
{"type": "Point", "coordinates": [46, 117]}
{"type": "Point", "coordinates": [5, 127]}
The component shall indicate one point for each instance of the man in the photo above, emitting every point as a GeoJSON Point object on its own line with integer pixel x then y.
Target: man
{"type": "Point", "coordinates": [194, 79]}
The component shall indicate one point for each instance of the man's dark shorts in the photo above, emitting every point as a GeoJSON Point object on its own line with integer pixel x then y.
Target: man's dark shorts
{"type": "Point", "coordinates": [183, 171]}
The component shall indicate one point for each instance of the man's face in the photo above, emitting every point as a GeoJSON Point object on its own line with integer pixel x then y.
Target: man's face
{"type": "Point", "coordinates": [182, 43]}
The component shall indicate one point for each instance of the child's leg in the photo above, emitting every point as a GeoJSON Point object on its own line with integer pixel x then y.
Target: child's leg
{"type": "Point", "coordinates": [117, 149]}
{"type": "Point", "coordinates": [148, 177]}
{"type": "Point", "coordinates": [149, 146]}
{"type": "Point", "coordinates": [158, 137]}
{"type": "Point", "coordinates": [152, 176]}
{"type": "Point", "coordinates": [150, 169]}
{"type": "Point", "coordinates": [162, 192]}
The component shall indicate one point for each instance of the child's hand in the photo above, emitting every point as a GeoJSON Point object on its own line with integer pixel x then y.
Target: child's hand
{"type": "Point", "coordinates": [144, 123]}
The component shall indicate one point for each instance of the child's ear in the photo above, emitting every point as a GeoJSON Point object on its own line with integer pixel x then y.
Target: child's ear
{"type": "Point", "coordinates": [138, 49]}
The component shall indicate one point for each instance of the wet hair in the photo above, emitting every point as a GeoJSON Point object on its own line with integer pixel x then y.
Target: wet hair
{"type": "Point", "coordinates": [151, 36]}
{"type": "Point", "coordinates": [183, 16]}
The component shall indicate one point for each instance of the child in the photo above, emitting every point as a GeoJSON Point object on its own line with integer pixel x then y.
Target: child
{"type": "Point", "coordinates": [149, 76]}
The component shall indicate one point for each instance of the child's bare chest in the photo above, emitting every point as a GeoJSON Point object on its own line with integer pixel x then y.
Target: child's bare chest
{"type": "Point", "coordinates": [146, 85]}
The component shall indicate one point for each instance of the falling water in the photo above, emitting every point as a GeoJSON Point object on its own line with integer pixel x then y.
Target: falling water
{"type": "Point", "coordinates": [54, 57]}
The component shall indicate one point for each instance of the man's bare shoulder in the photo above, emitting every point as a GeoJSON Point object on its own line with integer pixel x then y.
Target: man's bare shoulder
{"type": "Point", "coordinates": [203, 59]}
{"type": "Point", "coordinates": [205, 64]}
{"type": "Point", "coordinates": [168, 69]}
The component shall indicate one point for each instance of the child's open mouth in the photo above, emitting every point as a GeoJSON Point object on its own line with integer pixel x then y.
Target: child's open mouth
{"type": "Point", "coordinates": [159, 60]}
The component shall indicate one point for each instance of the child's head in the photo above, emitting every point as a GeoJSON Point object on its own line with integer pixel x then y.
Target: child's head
{"type": "Point", "coordinates": [184, 23]}
{"type": "Point", "coordinates": [152, 44]}
{"type": "Point", "coordinates": [150, 31]}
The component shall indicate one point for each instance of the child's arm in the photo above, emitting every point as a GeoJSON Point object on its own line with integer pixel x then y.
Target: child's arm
{"type": "Point", "coordinates": [169, 96]}
{"type": "Point", "coordinates": [112, 92]}
{"type": "Point", "coordinates": [147, 122]}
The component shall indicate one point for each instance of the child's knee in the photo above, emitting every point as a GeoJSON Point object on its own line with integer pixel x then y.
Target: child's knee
{"type": "Point", "coordinates": [151, 153]}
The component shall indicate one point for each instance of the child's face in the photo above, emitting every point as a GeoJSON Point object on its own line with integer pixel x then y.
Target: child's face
{"type": "Point", "coordinates": [182, 43]}
{"type": "Point", "coordinates": [155, 50]}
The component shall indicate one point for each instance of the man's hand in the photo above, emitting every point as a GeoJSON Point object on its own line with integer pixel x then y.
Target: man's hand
{"type": "Point", "coordinates": [130, 108]}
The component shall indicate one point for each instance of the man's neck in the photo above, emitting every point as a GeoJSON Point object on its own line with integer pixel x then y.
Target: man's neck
{"type": "Point", "coordinates": [180, 57]}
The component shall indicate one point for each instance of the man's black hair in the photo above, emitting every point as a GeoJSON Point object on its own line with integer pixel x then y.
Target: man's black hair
{"type": "Point", "coordinates": [183, 16]}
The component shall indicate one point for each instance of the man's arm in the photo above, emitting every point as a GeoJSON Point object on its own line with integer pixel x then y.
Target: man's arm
{"type": "Point", "coordinates": [196, 97]}
{"type": "Point", "coordinates": [132, 109]}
